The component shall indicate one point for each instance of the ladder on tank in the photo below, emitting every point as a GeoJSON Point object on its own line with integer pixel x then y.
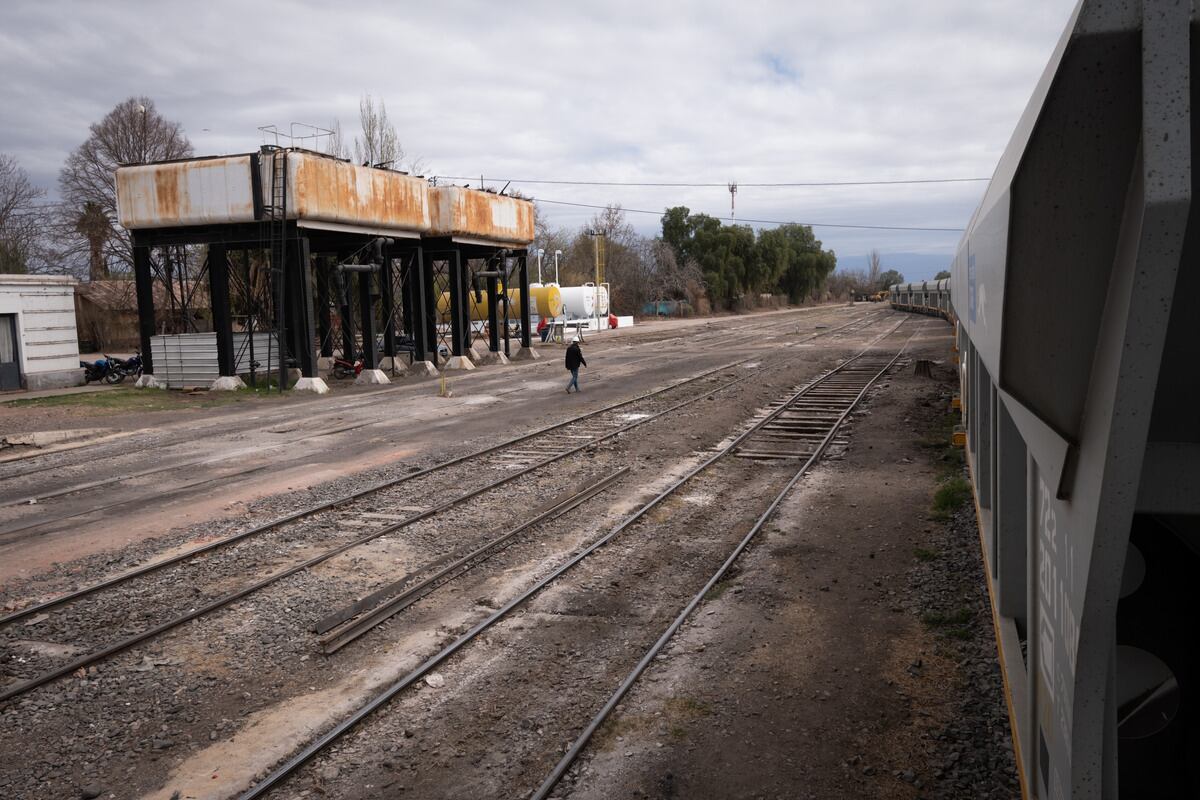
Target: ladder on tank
{"type": "Point", "coordinates": [275, 213]}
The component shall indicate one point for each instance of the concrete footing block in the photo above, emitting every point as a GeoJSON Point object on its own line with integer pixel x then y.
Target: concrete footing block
{"type": "Point", "coordinates": [150, 382]}
{"type": "Point", "coordinates": [423, 369]}
{"type": "Point", "coordinates": [394, 366]}
{"type": "Point", "coordinates": [488, 357]}
{"type": "Point", "coordinates": [293, 375]}
{"type": "Point", "coordinates": [524, 354]}
{"type": "Point", "coordinates": [459, 363]}
{"type": "Point", "coordinates": [324, 363]}
{"type": "Point", "coordinates": [314, 385]}
{"type": "Point", "coordinates": [371, 376]}
{"type": "Point", "coordinates": [227, 383]}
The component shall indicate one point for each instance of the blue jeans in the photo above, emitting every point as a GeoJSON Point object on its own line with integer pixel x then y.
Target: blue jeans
{"type": "Point", "coordinates": [574, 380]}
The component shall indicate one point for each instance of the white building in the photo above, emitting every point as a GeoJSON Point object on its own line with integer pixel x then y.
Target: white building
{"type": "Point", "coordinates": [39, 347]}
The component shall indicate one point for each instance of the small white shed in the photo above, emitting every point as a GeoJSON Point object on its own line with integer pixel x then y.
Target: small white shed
{"type": "Point", "coordinates": [39, 347]}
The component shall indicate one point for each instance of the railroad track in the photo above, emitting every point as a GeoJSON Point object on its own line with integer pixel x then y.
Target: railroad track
{"type": "Point", "coordinates": [826, 401]}
{"type": "Point", "coordinates": [41, 526]}
{"type": "Point", "coordinates": [86, 453]}
{"type": "Point", "coordinates": [519, 458]}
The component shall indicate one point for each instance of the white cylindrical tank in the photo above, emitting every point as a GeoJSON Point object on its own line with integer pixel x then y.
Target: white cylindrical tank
{"type": "Point", "coordinates": [602, 300]}
{"type": "Point", "coordinates": [579, 302]}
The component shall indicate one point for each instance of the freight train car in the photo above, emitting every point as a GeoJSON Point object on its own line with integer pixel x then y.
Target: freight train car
{"type": "Point", "coordinates": [927, 297]}
{"type": "Point", "coordinates": [1075, 290]}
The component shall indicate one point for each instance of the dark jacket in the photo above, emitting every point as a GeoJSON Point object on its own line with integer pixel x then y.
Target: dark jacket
{"type": "Point", "coordinates": [574, 357]}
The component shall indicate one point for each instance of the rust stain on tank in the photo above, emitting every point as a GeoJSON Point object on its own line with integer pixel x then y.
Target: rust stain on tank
{"type": "Point", "coordinates": [166, 193]}
{"type": "Point", "coordinates": [458, 211]}
{"type": "Point", "coordinates": [334, 191]}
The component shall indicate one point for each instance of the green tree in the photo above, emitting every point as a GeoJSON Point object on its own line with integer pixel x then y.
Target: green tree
{"type": "Point", "coordinates": [735, 261]}
{"type": "Point", "coordinates": [941, 275]}
{"type": "Point", "coordinates": [889, 278]}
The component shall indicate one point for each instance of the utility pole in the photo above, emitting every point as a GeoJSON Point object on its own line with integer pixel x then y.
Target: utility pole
{"type": "Point", "coordinates": [598, 250]}
{"type": "Point", "coordinates": [732, 195]}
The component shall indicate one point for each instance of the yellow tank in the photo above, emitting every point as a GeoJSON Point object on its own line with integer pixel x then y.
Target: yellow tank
{"type": "Point", "coordinates": [547, 302]}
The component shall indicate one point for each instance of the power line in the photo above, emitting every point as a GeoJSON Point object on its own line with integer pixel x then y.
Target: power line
{"type": "Point", "coordinates": [682, 184]}
{"type": "Point", "coordinates": [767, 221]}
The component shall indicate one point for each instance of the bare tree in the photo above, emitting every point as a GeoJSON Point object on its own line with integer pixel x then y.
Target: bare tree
{"type": "Point", "coordinates": [21, 218]}
{"type": "Point", "coordinates": [874, 267]}
{"type": "Point", "coordinates": [132, 133]}
{"type": "Point", "coordinates": [379, 144]}
{"type": "Point", "coordinates": [673, 279]}
{"type": "Point", "coordinates": [95, 227]}
{"type": "Point", "coordinates": [846, 284]}
{"type": "Point", "coordinates": [336, 145]}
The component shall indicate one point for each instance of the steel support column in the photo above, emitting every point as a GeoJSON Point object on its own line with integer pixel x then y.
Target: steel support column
{"type": "Point", "coordinates": [144, 280]}
{"type": "Point", "coordinates": [413, 292]}
{"type": "Point", "coordinates": [366, 326]}
{"type": "Point", "coordinates": [301, 301]}
{"type": "Point", "coordinates": [218, 290]}
{"type": "Point", "coordinates": [458, 304]}
{"type": "Point", "coordinates": [388, 305]}
{"type": "Point", "coordinates": [526, 301]}
{"type": "Point", "coordinates": [493, 295]}
{"type": "Point", "coordinates": [345, 287]}
{"type": "Point", "coordinates": [425, 307]}
{"type": "Point", "coordinates": [324, 318]}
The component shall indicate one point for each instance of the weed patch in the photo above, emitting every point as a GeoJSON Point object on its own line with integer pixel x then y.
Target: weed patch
{"type": "Point", "coordinates": [954, 492]}
{"type": "Point", "coordinates": [716, 591]}
{"type": "Point", "coordinates": [938, 619]}
{"type": "Point", "coordinates": [925, 555]}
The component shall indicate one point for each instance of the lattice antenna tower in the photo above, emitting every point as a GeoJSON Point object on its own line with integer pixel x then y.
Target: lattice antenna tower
{"type": "Point", "coordinates": [732, 195]}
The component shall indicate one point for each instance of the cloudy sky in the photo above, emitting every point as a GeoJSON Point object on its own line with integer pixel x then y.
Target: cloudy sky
{"type": "Point", "coordinates": [613, 91]}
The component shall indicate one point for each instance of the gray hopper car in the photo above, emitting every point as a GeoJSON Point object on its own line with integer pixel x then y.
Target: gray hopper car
{"type": "Point", "coordinates": [1074, 298]}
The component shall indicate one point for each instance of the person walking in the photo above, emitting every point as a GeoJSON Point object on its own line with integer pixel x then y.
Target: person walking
{"type": "Point", "coordinates": [543, 328]}
{"type": "Point", "coordinates": [574, 360]}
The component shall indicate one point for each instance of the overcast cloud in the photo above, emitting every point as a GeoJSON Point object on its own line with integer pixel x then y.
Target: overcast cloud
{"type": "Point", "coordinates": [605, 91]}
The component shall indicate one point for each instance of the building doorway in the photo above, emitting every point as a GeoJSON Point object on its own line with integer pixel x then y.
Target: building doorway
{"type": "Point", "coordinates": [10, 358]}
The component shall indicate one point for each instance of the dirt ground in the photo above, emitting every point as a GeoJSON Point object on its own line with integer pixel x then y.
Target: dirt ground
{"type": "Point", "coordinates": [849, 654]}
{"type": "Point", "coordinates": [820, 669]}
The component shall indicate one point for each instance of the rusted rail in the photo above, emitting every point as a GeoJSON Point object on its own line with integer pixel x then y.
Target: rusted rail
{"type": "Point", "coordinates": [315, 747]}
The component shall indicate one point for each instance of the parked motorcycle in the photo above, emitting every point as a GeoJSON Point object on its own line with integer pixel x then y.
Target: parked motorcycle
{"type": "Point", "coordinates": [100, 370]}
{"type": "Point", "coordinates": [128, 367]}
{"type": "Point", "coordinates": [343, 368]}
